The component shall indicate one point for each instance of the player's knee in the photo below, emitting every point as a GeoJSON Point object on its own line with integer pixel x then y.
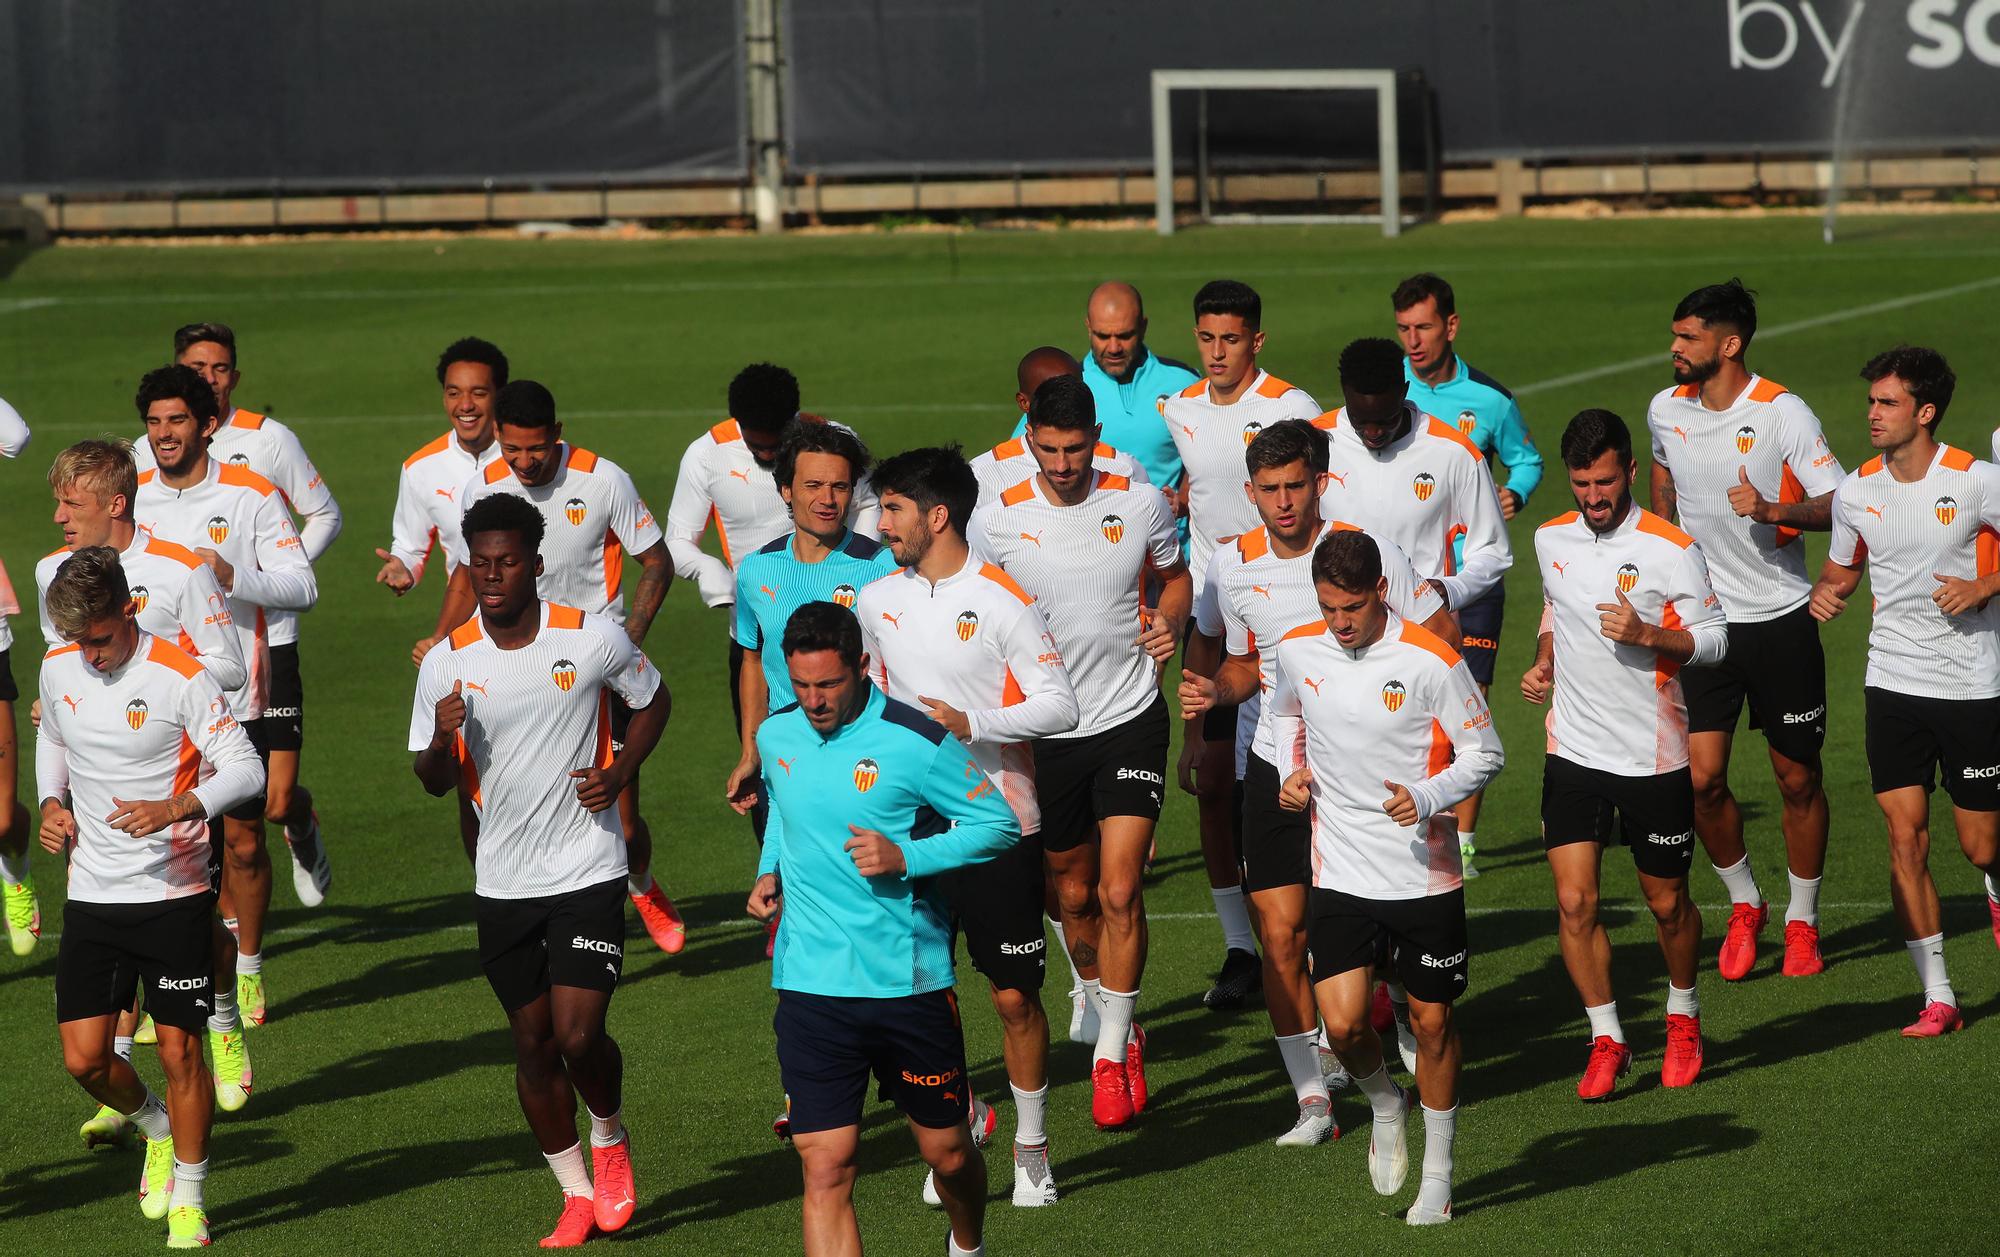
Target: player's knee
{"type": "Point", "coordinates": [244, 843]}
{"type": "Point", "coordinates": [1120, 897]}
{"type": "Point", "coordinates": [1577, 906]}
{"type": "Point", "coordinates": [1075, 896]}
{"type": "Point", "coordinates": [90, 1066]}
{"type": "Point", "coordinates": [1016, 1009]}
{"type": "Point", "coordinates": [1798, 785]}
{"type": "Point", "coordinates": [577, 1044]}
{"type": "Point", "coordinates": [950, 1160]}
{"type": "Point", "coordinates": [1346, 1033]}
{"type": "Point", "coordinates": [826, 1172]}
{"type": "Point", "coordinates": [1669, 905]}
{"type": "Point", "coordinates": [1711, 791]}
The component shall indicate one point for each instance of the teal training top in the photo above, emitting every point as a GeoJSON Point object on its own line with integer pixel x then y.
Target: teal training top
{"type": "Point", "coordinates": [772, 583]}
{"type": "Point", "coordinates": [894, 770]}
{"type": "Point", "coordinates": [1486, 413]}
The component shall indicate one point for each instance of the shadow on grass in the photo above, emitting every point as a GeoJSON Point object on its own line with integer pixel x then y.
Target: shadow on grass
{"type": "Point", "coordinates": [1575, 1160]}
{"type": "Point", "coordinates": [382, 1173]}
{"type": "Point", "coordinates": [384, 1070]}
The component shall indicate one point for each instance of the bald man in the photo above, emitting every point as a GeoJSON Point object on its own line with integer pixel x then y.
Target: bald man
{"type": "Point", "coordinates": [1129, 381]}
{"type": "Point", "coordinates": [1009, 463]}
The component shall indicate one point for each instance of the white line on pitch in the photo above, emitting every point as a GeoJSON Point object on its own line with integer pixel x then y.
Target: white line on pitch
{"type": "Point", "coordinates": [1657, 359]}
{"type": "Point", "coordinates": [708, 414]}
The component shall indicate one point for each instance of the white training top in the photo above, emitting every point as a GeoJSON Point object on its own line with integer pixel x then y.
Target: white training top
{"type": "Point", "coordinates": [1425, 492]}
{"type": "Point", "coordinates": [13, 439]}
{"type": "Point", "coordinates": [1906, 532]}
{"type": "Point", "coordinates": [427, 510]}
{"type": "Point", "coordinates": [976, 641]}
{"type": "Point", "coordinates": [238, 514]}
{"type": "Point", "coordinates": [1010, 462]}
{"type": "Point", "coordinates": [179, 602]}
{"type": "Point", "coordinates": [261, 444]}
{"type": "Point", "coordinates": [1253, 598]}
{"type": "Point", "coordinates": [155, 727]}
{"type": "Point", "coordinates": [1084, 566]}
{"type": "Point", "coordinates": [722, 482]}
{"type": "Point", "coordinates": [532, 716]}
{"type": "Point", "coordinates": [1404, 709]}
{"type": "Point", "coordinates": [1619, 708]}
{"type": "Point", "coordinates": [1211, 440]}
{"type": "Point", "coordinates": [1759, 570]}
{"type": "Point", "coordinates": [593, 517]}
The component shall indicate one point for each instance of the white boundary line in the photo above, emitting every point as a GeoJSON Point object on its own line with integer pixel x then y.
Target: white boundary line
{"type": "Point", "coordinates": [1658, 359]}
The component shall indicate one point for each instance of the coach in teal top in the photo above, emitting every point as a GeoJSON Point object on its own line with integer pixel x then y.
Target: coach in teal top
{"type": "Point", "coordinates": [821, 560]}
{"type": "Point", "coordinates": [870, 798]}
{"type": "Point", "coordinates": [1128, 382]}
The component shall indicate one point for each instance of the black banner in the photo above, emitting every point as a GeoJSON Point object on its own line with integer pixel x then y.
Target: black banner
{"type": "Point", "coordinates": [339, 93]}
{"type": "Point", "coordinates": [1041, 84]}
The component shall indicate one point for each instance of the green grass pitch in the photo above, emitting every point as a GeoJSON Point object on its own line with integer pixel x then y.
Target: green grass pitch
{"type": "Point", "coordinates": [384, 1118]}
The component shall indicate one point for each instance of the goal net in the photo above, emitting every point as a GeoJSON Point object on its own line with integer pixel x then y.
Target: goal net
{"type": "Point", "coordinates": [1292, 146]}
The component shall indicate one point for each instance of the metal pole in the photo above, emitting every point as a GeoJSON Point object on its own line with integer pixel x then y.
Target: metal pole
{"type": "Point", "coordinates": [1163, 159]}
{"type": "Point", "coordinates": [1385, 140]}
{"type": "Point", "coordinates": [1201, 154]}
{"type": "Point", "coordinates": [760, 39]}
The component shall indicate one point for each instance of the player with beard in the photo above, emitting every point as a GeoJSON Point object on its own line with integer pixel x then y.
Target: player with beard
{"type": "Point", "coordinates": [1009, 463]}
{"type": "Point", "coordinates": [1626, 603]}
{"type": "Point", "coordinates": [1743, 464]}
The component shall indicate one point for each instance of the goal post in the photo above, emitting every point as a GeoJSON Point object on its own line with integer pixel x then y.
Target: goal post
{"type": "Point", "coordinates": [1381, 82]}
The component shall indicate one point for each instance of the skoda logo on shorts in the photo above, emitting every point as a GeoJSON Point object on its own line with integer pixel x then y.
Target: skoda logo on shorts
{"type": "Point", "coordinates": [135, 713]}
{"type": "Point", "coordinates": [1114, 528]}
{"type": "Point", "coordinates": [1424, 485]}
{"type": "Point", "coordinates": [563, 674]}
{"type": "Point", "coordinates": [968, 624]}
{"type": "Point", "coordinates": [1746, 439]}
{"type": "Point", "coordinates": [1467, 421]}
{"type": "Point", "coordinates": [574, 510]}
{"type": "Point", "coordinates": [1628, 577]}
{"type": "Point", "coordinates": [218, 529]}
{"type": "Point", "coordinates": [1946, 508]}
{"type": "Point", "coordinates": [1393, 695]}
{"type": "Point", "coordinates": [866, 773]}
{"type": "Point", "coordinates": [1250, 431]}
{"type": "Point", "coordinates": [140, 597]}
{"type": "Point", "coordinates": [843, 596]}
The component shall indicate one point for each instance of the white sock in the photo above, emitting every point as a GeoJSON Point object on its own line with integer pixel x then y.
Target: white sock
{"type": "Point", "coordinates": [606, 1132]}
{"type": "Point", "coordinates": [1467, 838]}
{"type": "Point", "coordinates": [225, 1017]}
{"type": "Point", "coordinates": [1093, 993]}
{"type": "Point", "coordinates": [13, 869]}
{"type": "Point", "coordinates": [121, 1047]}
{"type": "Point", "coordinates": [1805, 900]}
{"type": "Point", "coordinates": [1235, 918]}
{"type": "Point", "coordinates": [1062, 945]}
{"type": "Point", "coordinates": [1927, 954]}
{"type": "Point", "coordinates": [1604, 1022]}
{"type": "Point", "coordinates": [1325, 1044]}
{"type": "Point", "coordinates": [570, 1171]}
{"type": "Point", "coordinates": [188, 1180]}
{"type": "Point", "coordinates": [1300, 1052]}
{"type": "Point", "coordinates": [1384, 1096]}
{"type": "Point", "coordinates": [151, 1117]}
{"type": "Point", "coordinates": [953, 1250]}
{"type": "Point", "coordinates": [1682, 1003]}
{"type": "Point", "coordinates": [247, 962]}
{"type": "Point", "coordinates": [1440, 1130]}
{"type": "Point", "coordinates": [640, 883]}
{"type": "Point", "coordinates": [1740, 882]}
{"type": "Point", "coordinates": [1114, 1026]}
{"type": "Point", "coordinates": [229, 923]}
{"type": "Point", "coordinates": [1031, 1114]}
{"type": "Point", "coordinates": [1992, 891]}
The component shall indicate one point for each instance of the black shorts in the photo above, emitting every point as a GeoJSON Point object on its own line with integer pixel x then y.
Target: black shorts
{"type": "Point", "coordinates": [1000, 911]}
{"type": "Point", "coordinates": [1218, 724]}
{"type": "Point", "coordinates": [252, 808]}
{"type": "Point", "coordinates": [9, 692]}
{"type": "Point", "coordinates": [1655, 815]}
{"type": "Point", "coordinates": [112, 951]}
{"type": "Point", "coordinates": [1424, 940]}
{"type": "Point", "coordinates": [1909, 737]}
{"type": "Point", "coordinates": [1119, 772]}
{"type": "Point", "coordinates": [1779, 667]}
{"type": "Point", "coordinates": [1277, 845]}
{"type": "Point", "coordinates": [576, 938]}
{"type": "Point", "coordinates": [285, 711]}
{"type": "Point", "coordinates": [1479, 632]}
{"type": "Point", "coordinates": [830, 1045]}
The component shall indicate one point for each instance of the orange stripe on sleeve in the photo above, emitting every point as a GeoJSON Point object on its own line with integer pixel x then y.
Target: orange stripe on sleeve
{"type": "Point", "coordinates": [614, 565]}
{"type": "Point", "coordinates": [1986, 552]}
{"type": "Point", "coordinates": [1790, 491]}
{"type": "Point", "coordinates": [1440, 756]}
{"type": "Point", "coordinates": [1010, 690]}
{"type": "Point", "coordinates": [187, 767]}
{"type": "Point", "coordinates": [564, 617]}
